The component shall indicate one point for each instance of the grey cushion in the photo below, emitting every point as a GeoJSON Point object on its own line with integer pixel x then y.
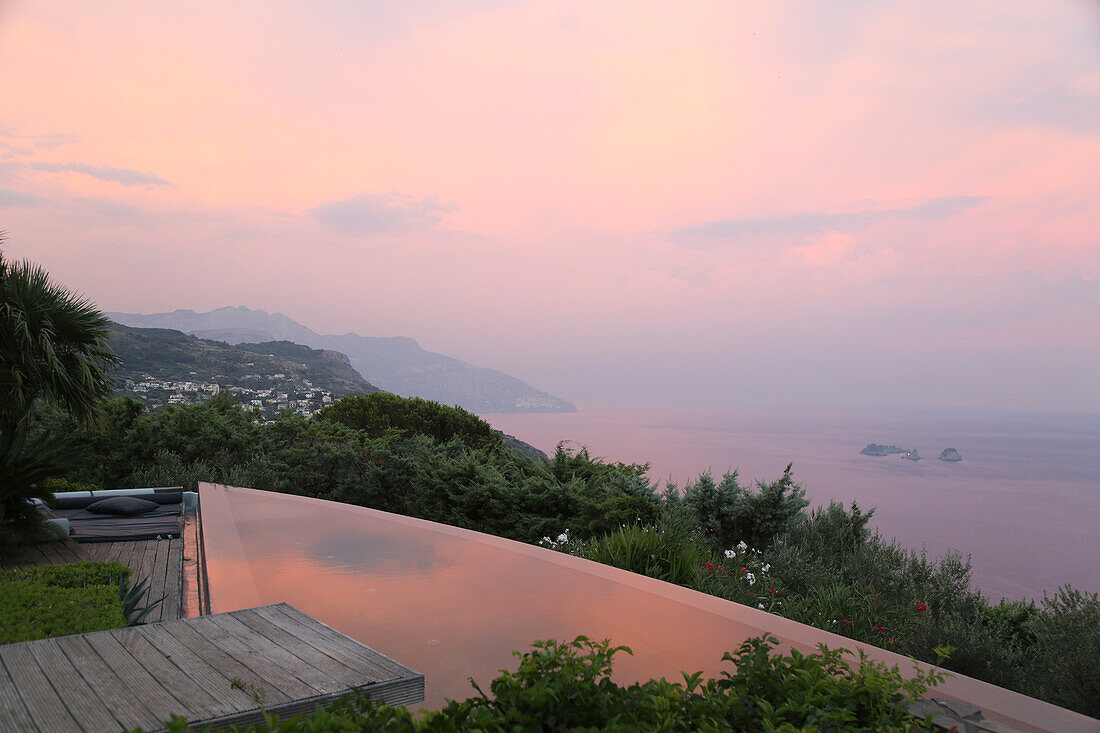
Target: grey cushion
{"type": "Point", "coordinates": [74, 502]}
{"type": "Point", "coordinates": [122, 505]}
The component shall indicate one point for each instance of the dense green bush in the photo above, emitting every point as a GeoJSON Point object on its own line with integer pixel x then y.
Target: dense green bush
{"type": "Point", "coordinates": [460, 474]}
{"type": "Point", "coordinates": [1065, 650]}
{"type": "Point", "coordinates": [568, 686]}
{"type": "Point", "coordinates": [379, 413]}
{"type": "Point", "coordinates": [56, 600]}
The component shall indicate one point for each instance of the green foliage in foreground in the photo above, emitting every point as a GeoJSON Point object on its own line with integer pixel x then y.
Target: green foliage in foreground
{"type": "Point", "coordinates": [568, 686]}
{"type": "Point", "coordinates": [57, 600]}
{"type": "Point", "coordinates": [755, 544]}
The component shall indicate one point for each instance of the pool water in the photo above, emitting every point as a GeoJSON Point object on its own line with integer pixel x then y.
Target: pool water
{"type": "Point", "coordinates": [453, 604]}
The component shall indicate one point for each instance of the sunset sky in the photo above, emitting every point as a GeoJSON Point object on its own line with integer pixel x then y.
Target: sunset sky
{"type": "Point", "coordinates": [735, 204]}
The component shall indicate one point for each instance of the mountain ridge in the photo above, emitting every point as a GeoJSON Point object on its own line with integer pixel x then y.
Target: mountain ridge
{"type": "Point", "coordinates": [396, 364]}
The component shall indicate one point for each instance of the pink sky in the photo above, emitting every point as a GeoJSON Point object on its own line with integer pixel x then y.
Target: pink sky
{"type": "Point", "coordinates": [865, 204]}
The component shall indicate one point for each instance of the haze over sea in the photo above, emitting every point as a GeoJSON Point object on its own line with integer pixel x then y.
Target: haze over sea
{"type": "Point", "coordinates": [1023, 502]}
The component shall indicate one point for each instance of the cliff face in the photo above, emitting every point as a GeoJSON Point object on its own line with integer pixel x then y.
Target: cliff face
{"type": "Point", "coordinates": [950, 455]}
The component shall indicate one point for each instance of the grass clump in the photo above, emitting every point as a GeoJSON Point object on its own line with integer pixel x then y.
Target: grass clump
{"type": "Point", "coordinates": [72, 575]}
{"type": "Point", "coordinates": [57, 600]}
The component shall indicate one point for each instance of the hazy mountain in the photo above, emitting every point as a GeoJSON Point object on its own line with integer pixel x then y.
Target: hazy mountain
{"type": "Point", "coordinates": [396, 364]}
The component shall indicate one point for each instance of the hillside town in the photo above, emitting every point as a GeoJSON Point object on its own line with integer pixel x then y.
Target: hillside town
{"type": "Point", "coordinates": [270, 394]}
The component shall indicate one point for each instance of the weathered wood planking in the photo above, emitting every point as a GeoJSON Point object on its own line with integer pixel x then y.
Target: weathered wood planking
{"type": "Point", "coordinates": [45, 553]}
{"type": "Point", "coordinates": [218, 668]}
{"type": "Point", "coordinates": [161, 561]}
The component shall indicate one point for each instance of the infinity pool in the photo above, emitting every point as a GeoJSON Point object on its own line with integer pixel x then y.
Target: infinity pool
{"type": "Point", "coordinates": [453, 604]}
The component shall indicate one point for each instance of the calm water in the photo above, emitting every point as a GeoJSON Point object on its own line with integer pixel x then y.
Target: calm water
{"type": "Point", "coordinates": [1024, 502]}
{"type": "Point", "coordinates": [453, 604]}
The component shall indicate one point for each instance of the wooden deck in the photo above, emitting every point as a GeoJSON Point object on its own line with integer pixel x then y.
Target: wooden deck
{"type": "Point", "coordinates": [57, 552]}
{"type": "Point", "coordinates": [160, 561]}
{"type": "Point", "coordinates": [216, 669]}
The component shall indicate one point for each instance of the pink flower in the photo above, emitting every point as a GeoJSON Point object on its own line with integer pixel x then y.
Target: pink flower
{"type": "Point", "coordinates": [744, 570]}
{"type": "Point", "coordinates": [880, 627]}
{"type": "Point", "coordinates": [849, 623]}
{"type": "Point", "coordinates": [773, 590]}
{"type": "Point", "coordinates": [922, 606]}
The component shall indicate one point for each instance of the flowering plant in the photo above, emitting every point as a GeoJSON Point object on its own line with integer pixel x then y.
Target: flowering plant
{"type": "Point", "coordinates": [563, 543]}
{"type": "Point", "coordinates": [746, 580]}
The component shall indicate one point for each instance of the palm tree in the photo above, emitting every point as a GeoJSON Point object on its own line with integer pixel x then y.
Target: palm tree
{"type": "Point", "coordinates": [53, 347]}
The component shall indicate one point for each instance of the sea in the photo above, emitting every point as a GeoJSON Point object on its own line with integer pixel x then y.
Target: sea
{"type": "Point", "coordinates": [1023, 504]}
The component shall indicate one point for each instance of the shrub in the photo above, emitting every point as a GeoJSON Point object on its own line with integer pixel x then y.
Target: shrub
{"type": "Point", "coordinates": [649, 551]}
{"type": "Point", "coordinates": [381, 412]}
{"type": "Point", "coordinates": [58, 485]}
{"type": "Point", "coordinates": [727, 513]}
{"type": "Point", "coordinates": [25, 462]}
{"type": "Point", "coordinates": [1067, 645]}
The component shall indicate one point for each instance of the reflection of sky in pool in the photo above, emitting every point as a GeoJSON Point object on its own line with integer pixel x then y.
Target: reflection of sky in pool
{"type": "Point", "coordinates": [453, 604]}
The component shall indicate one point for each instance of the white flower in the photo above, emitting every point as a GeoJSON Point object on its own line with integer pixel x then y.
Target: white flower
{"type": "Point", "coordinates": [730, 554]}
{"type": "Point", "coordinates": [563, 537]}
{"type": "Point", "coordinates": [760, 606]}
{"type": "Point", "coordinates": [742, 545]}
{"type": "Point", "coordinates": [766, 568]}
{"type": "Point", "coordinates": [544, 540]}
{"type": "Point", "coordinates": [751, 577]}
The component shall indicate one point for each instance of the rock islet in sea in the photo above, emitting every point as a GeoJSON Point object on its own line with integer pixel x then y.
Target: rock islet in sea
{"type": "Point", "coordinates": [950, 455]}
{"type": "Point", "coordinates": [877, 449]}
